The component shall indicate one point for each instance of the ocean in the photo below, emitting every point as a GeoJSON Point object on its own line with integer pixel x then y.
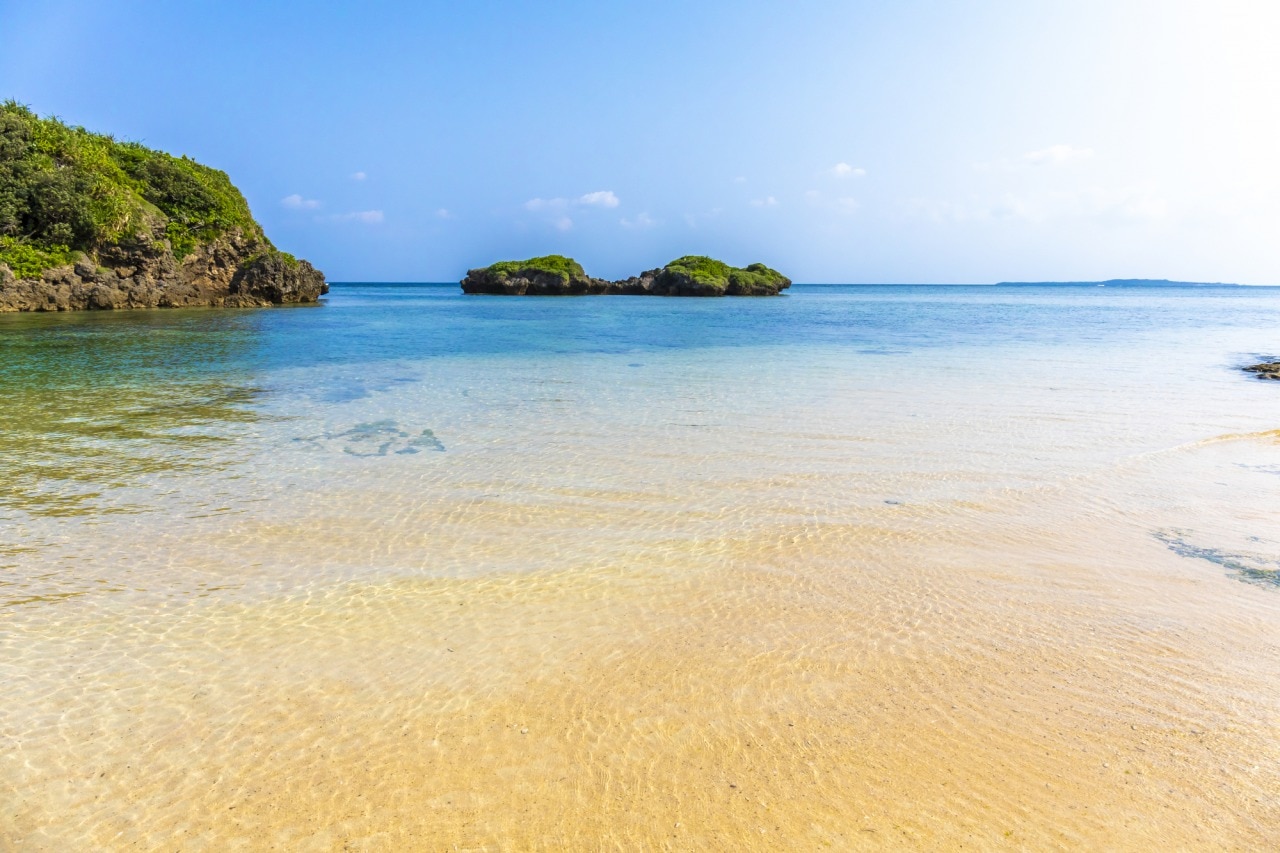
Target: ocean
{"type": "Point", "coordinates": [853, 567]}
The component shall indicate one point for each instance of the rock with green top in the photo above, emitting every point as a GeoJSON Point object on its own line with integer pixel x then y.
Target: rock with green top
{"type": "Point", "coordinates": [90, 222]}
{"type": "Point", "coordinates": [692, 275]}
{"type": "Point", "coordinates": [698, 275]}
{"type": "Point", "coordinates": [550, 275]}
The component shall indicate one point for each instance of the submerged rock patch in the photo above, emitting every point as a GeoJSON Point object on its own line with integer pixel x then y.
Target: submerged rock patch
{"type": "Point", "coordinates": [376, 438]}
{"type": "Point", "coordinates": [1265, 369]}
{"type": "Point", "coordinates": [1250, 568]}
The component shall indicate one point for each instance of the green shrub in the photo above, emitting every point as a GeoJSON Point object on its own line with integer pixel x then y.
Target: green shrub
{"type": "Point", "coordinates": [702, 269]}
{"type": "Point", "coordinates": [757, 276]}
{"type": "Point", "coordinates": [714, 277]}
{"type": "Point", "coordinates": [64, 188]}
{"type": "Point", "coordinates": [27, 261]}
{"type": "Point", "coordinates": [557, 265]}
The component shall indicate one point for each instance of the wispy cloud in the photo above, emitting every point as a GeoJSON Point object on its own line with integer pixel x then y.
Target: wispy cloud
{"type": "Point", "coordinates": [1057, 155]}
{"type": "Point", "coordinates": [639, 222]}
{"type": "Point", "coordinates": [843, 204]}
{"type": "Point", "coordinates": [938, 210]}
{"type": "Point", "coordinates": [767, 201]}
{"type": "Point", "coordinates": [444, 213]}
{"type": "Point", "coordinates": [600, 198]}
{"type": "Point", "coordinates": [297, 202]}
{"type": "Point", "coordinates": [367, 217]}
{"type": "Point", "coordinates": [1099, 204]}
{"type": "Point", "coordinates": [694, 220]}
{"type": "Point", "coordinates": [536, 204]}
{"type": "Point", "coordinates": [557, 210]}
{"type": "Point", "coordinates": [358, 176]}
{"type": "Point", "coordinates": [844, 170]}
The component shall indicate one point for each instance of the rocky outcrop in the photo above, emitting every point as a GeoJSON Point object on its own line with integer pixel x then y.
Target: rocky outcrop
{"type": "Point", "coordinates": [232, 271]}
{"type": "Point", "coordinates": [90, 222]}
{"type": "Point", "coordinates": [692, 275]}
{"type": "Point", "coordinates": [552, 275]}
{"type": "Point", "coordinates": [1265, 370]}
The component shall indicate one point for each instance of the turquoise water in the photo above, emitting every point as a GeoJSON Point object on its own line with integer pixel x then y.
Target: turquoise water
{"type": "Point", "coordinates": [946, 393]}
{"type": "Point", "coordinates": [794, 502]}
{"type": "Point", "coordinates": [363, 324]}
{"type": "Point", "coordinates": [95, 400]}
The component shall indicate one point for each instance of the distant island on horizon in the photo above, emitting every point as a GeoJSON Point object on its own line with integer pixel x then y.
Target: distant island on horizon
{"type": "Point", "coordinates": [1119, 282]}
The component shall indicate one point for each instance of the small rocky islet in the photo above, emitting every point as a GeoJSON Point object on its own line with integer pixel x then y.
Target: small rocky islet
{"type": "Point", "coordinates": [691, 275]}
{"type": "Point", "coordinates": [88, 222]}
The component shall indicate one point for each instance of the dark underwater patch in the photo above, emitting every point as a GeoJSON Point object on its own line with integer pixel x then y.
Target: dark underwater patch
{"type": "Point", "coordinates": [1250, 568]}
{"type": "Point", "coordinates": [376, 438]}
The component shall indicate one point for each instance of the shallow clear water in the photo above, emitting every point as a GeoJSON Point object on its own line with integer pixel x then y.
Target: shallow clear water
{"type": "Point", "coordinates": [854, 566]}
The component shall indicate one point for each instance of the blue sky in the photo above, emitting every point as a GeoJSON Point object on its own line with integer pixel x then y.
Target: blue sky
{"type": "Point", "coordinates": [837, 141]}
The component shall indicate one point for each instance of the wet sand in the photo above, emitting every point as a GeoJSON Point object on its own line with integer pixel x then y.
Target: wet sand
{"type": "Point", "coordinates": [948, 677]}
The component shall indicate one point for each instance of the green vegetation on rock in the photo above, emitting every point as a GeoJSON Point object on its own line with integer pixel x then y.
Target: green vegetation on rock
{"type": "Point", "coordinates": [557, 265]}
{"type": "Point", "coordinates": [28, 261]}
{"type": "Point", "coordinates": [758, 275]}
{"type": "Point", "coordinates": [87, 222]}
{"type": "Point", "coordinates": [692, 275]}
{"type": "Point", "coordinates": [700, 275]}
{"type": "Point", "coordinates": [549, 275]}
{"type": "Point", "coordinates": [701, 269]}
{"type": "Point", "coordinates": [65, 190]}
{"type": "Point", "coordinates": [285, 258]}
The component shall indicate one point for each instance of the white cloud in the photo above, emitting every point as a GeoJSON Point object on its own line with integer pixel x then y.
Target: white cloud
{"type": "Point", "coordinates": [297, 202]}
{"type": "Point", "coordinates": [1010, 206]}
{"type": "Point", "coordinates": [1124, 204]}
{"type": "Point", "coordinates": [768, 201]}
{"type": "Point", "coordinates": [642, 221]}
{"type": "Point", "coordinates": [1101, 205]}
{"type": "Point", "coordinates": [741, 179]}
{"type": "Point", "coordinates": [843, 204]}
{"type": "Point", "coordinates": [1006, 207]}
{"type": "Point", "coordinates": [693, 220]}
{"type": "Point", "coordinates": [1057, 155]}
{"type": "Point", "coordinates": [844, 170]}
{"type": "Point", "coordinates": [444, 213]}
{"type": "Point", "coordinates": [600, 198]}
{"type": "Point", "coordinates": [557, 209]}
{"type": "Point", "coordinates": [358, 176]}
{"type": "Point", "coordinates": [937, 210]}
{"type": "Point", "coordinates": [368, 217]}
{"type": "Point", "coordinates": [546, 204]}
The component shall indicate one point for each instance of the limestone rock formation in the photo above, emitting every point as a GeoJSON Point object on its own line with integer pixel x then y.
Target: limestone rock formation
{"type": "Point", "coordinates": [551, 275]}
{"type": "Point", "coordinates": [230, 272]}
{"type": "Point", "coordinates": [87, 222]}
{"type": "Point", "coordinates": [692, 275]}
